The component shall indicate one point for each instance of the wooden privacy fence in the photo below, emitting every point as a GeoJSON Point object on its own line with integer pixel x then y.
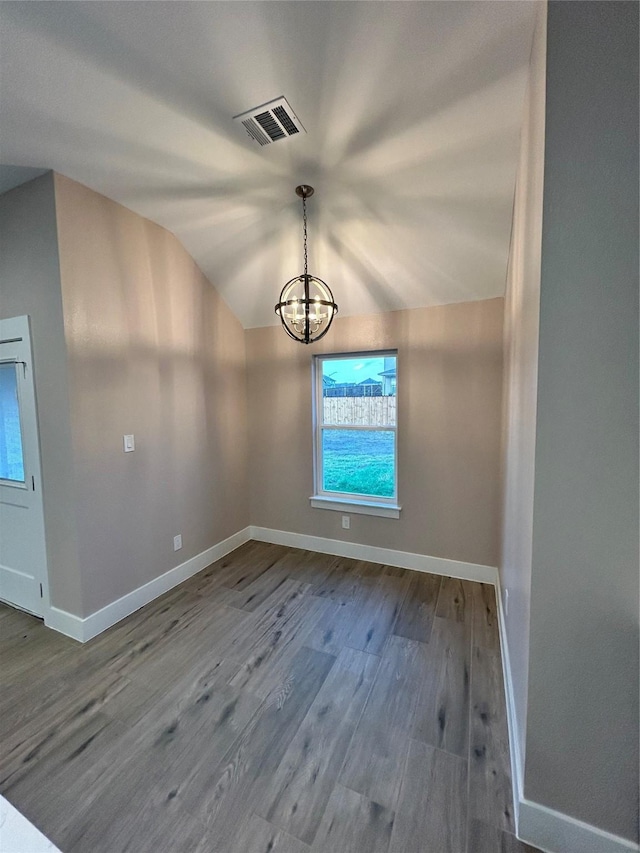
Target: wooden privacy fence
{"type": "Point", "coordinates": [360, 411]}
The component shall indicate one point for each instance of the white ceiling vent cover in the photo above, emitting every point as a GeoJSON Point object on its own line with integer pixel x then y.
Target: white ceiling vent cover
{"type": "Point", "coordinates": [271, 121]}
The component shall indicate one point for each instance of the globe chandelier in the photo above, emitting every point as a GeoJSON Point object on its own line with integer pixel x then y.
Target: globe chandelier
{"type": "Point", "coordinates": [306, 307]}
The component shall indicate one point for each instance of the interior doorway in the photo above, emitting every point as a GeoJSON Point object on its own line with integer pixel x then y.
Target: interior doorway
{"type": "Point", "coordinates": [23, 561]}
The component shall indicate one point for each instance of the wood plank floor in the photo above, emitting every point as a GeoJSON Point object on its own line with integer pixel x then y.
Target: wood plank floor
{"type": "Point", "coordinates": [281, 701]}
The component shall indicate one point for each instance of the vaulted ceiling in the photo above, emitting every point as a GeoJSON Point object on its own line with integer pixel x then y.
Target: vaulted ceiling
{"type": "Point", "coordinates": [412, 111]}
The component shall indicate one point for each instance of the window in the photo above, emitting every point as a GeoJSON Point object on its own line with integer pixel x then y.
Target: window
{"type": "Point", "coordinates": [11, 458]}
{"type": "Point", "coordinates": [356, 433]}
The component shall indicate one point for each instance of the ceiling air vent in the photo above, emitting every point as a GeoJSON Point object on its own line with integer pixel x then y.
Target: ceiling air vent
{"type": "Point", "coordinates": [270, 122]}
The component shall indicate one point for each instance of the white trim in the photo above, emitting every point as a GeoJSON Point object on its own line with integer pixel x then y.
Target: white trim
{"type": "Point", "coordinates": [65, 623]}
{"type": "Point", "coordinates": [517, 775]}
{"type": "Point", "coordinates": [555, 832]}
{"type": "Point", "coordinates": [359, 507]}
{"type": "Point", "coordinates": [318, 424]}
{"type": "Point", "coordinates": [538, 825]}
{"type": "Point", "coordinates": [89, 627]}
{"type": "Point", "coordinates": [373, 554]}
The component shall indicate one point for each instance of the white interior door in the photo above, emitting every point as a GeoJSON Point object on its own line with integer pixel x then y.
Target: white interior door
{"type": "Point", "coordinates": [23, 564]}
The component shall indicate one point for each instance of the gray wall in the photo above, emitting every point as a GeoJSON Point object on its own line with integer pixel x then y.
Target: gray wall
{"type": "Point", "coordinates": [521, 312]}
{"type": "Point", "coordinates": [449, 393]}
{"type": "Point", "coordinates": [582, 727]}
{"type": "Point", "coordinates": [30, 284]}
{"type": "Point", "coordinates": [152, 350]}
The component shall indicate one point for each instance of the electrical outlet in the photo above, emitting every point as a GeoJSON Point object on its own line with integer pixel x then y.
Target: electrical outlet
{"type": "Point", "coordinates": [177, 542]}
{"type": "Point", "coordinates": [506, 602]}
{"type": "Point", "coordinates": [346, 522]}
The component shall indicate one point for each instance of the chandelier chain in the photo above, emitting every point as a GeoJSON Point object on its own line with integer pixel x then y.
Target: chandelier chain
{"type": "Point", "coordinates": [304, 220]}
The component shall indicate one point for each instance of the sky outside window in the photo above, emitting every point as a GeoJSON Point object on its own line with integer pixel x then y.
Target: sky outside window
{"type": "Point", "coordinates": [352, 370]}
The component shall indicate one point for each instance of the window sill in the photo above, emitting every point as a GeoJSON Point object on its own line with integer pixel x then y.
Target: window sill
{"type": "Point", "coordinates": [383, 510]}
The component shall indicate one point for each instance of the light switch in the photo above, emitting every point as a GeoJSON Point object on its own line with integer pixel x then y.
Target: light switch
{"type": "Point", "coordinates": [129, 443]}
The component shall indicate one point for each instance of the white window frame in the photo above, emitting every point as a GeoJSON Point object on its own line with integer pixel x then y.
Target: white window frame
{"type": "Point", "coordinates": [356, 503]}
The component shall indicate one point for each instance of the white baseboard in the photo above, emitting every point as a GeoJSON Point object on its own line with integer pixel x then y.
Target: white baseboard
{"type": "Point", "coordinates": [517, 775]}
{"type": "Point", "coordinates": [542, 827]}
{"type": "Point", "coordinates": [555, 832]}
{"type": "Point", "coordinates": [373, 554]}
{"type": "Point", "coordinates": [89, 627]}
{"type": "Point", "coordinates": [85, 629]}
{"type": "Point", "coordinates": [65, 623]}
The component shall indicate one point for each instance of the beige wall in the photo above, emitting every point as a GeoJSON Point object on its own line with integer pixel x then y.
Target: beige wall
{"type": "Point", "coordinates": [449, 368]}
{"type": "Point", "coordinates": [154, 351]}
{"type": "Point", "coordinates": [521, 316]}
{"type": "Point", "coordinates": [30, 284]}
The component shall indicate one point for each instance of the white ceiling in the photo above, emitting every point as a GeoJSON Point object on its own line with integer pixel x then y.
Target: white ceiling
{"type": "Point", "coordinates": [413, 113]}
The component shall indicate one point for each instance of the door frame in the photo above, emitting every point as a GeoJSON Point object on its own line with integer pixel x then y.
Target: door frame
{"type": "Point", "coordinates": [17, 331]}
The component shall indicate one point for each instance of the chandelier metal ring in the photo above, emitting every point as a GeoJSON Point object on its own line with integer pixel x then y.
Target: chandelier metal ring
{"type": "Point", "coordinates": [306, 307]}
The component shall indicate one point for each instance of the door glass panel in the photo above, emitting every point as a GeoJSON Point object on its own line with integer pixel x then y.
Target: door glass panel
{"type": "Point", "coordinates": [11, 456]}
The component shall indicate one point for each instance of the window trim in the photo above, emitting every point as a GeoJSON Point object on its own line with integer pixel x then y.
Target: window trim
{"type": "Point", "coordinates": [357, 503]}
{"type": "Point", "coordinates": [355, 506]}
